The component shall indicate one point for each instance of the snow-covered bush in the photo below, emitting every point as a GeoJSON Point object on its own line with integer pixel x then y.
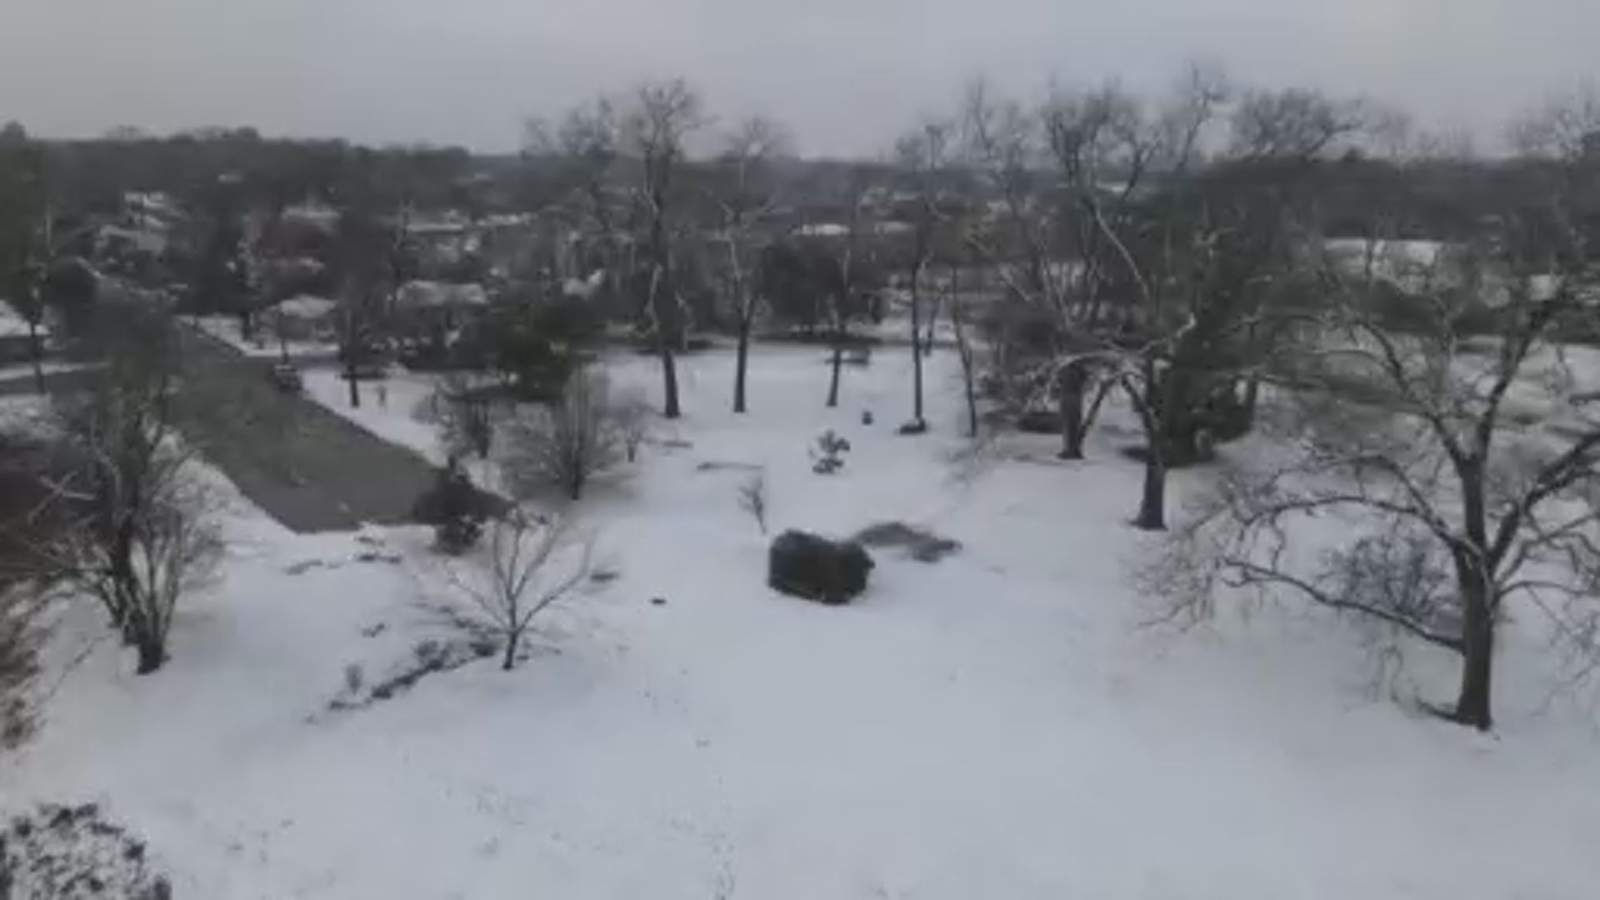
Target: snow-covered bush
{"type": "Point", "coordinates": [828, 456]}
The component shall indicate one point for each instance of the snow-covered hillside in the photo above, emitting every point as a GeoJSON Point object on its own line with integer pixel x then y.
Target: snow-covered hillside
{"type": "Point", "coordinates": [997, 724]}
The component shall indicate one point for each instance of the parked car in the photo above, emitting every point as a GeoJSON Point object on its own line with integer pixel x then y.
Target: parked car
{"type": "Point", "coordinates": [286, 378]}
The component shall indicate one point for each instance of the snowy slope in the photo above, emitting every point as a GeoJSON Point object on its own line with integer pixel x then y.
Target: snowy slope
{"type": "Point", "coordinates": [994, 725]}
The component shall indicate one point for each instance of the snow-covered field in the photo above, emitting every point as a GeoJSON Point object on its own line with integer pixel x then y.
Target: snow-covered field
{"type": "Point", "coordinates": [997, 724]}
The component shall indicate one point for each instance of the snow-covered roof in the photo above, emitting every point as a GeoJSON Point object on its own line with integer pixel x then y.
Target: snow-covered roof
{"type": "Point", "coordinates": [312, 213]}
{"type": "Point", "coordinates": [584, 288]}
{"type": "Point", "coordinates": [1402, 253]}
{"type": "Point", "coordinates": [834, 229]}
{"type": "Point", "coordinates": [424, 294]}
{"type": "Point", "coordinates": [306, 306]}
{"type": "Point", "coordinates": [12, 323]}
{"type": "Point", "coordinates": [144, 240]}
{"type": "Point", "coordinates": [155, 202]}
{"type": "Point", "coordinates": [824, 229]}
{"type": "Point", "coordinates": [506, 220]}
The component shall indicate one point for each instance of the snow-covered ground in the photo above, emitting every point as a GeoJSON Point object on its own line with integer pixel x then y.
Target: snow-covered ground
{"type": "Point", "coordinates": [388, 406]}
{"type": "Point", "coordinates": [16, 371]}
{"type": "Point", "coordinates": [997, 724]}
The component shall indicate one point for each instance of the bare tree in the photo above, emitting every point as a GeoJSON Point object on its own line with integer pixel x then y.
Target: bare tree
{"type": "Point", "coordinates": [1456, 490]}
{"type": "Point", "coordinates": [583, 151]}
{"type": "Point", "coordinates": [1038, 240]}
{"type": "Point", "coordinates": [662, 117]}
{"type": "Point", "coordinates": [142, 534]}
{"type": "Point", "coordinates": [1182, 254]}
{"type": "Point", "coordinates": [965, 350]}
{"type": "Point", "coordinates": [517, 581]}
{"type": "Point", "coordinates": [363, 248]}
{"type": "Point", "coordinates": [848, 254]}
{"type": "Point", "coordinates": [463, 408]}
{"type": "Point", "coordinates": [922, 155]}
{"type": "Point", "coordinates": [745, 199]}
{"type": "Point", "coordinates": [565, 445]}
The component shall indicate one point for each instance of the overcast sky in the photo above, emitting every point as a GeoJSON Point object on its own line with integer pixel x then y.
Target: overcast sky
{"type": "Point", "coordinates": [844, 75]}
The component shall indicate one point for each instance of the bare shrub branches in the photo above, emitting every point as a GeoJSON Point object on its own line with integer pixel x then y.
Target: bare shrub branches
{"type": "Point", "coordinates": [463, 409]}
{"type": "Point", "coordinates": [518, 578]}
{"type": "Point", "coordinates": [139, 532]}
{"type": "Point", "coordinates": [753, 499]}
{"type": "Point", "coordinates": [563, 445]}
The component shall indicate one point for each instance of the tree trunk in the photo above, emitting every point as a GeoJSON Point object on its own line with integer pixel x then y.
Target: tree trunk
{"type": "Point", "coordinates": [1477, 645]}
{"type": "Point", "coordinates": [833, 381]}
{"type": "Point", "coordinates": [152, 653]}
{"type": "Point", "coordinates": [1252, 397]}
{"type": "Point", "coordinates": [1069, 392]}
{"type": "Point", "coordinates": [1153, 499]}
{"type": "Point", "coordinates": [741, 362]}
{"type": "Point", "coordinates": [916, 351]}
{"type": "Point", "coordinates": [669, 376]}
{"type": "Point", "coordinates": [355, 390]}
{"type": "Point", "coordinates": [665, 334]}
{"type": "Point", "coordinates": [972, 398]}
{"type": "Point", "coordinates": [37, 350]}
{"type": "Point", "coordinates": [510, 659]}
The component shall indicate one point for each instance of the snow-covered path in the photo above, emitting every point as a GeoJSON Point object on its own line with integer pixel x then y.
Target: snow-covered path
{"type": "Point", "coordinates": [993, 725]}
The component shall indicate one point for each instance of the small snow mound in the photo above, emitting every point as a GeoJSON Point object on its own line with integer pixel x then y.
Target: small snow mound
{"type": "Point", "coordinates": [923, 545]}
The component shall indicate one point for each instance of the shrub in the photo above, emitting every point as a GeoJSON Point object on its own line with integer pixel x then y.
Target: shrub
{"type": "Point", "coordinates": [828, 456]}
{"type": "Point", "coordinates": [454, 508]}
{"type": "Point", "coordinates": [807, 565]}
{"type": "Point", "coordinates": [753, 499]}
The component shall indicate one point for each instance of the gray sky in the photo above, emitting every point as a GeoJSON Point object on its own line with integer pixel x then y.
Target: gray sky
{"type": "Point", "coordinates": [844, 75]}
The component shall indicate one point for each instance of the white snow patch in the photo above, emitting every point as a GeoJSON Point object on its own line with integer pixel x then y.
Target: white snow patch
{"type": "Point", "coordinates": [996, 725]}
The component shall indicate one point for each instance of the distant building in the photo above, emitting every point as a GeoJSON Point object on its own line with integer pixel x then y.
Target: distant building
{"type": "Point", "coordinates": [16, 343]}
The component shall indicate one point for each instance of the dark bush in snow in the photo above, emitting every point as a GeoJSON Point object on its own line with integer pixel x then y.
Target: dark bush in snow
{"type": "Point", "coordinates": [454, 508]}
{"type": "Point", "coordinates": [74, 853]}
{"type": "Point", "coordinates": [810, 566]}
